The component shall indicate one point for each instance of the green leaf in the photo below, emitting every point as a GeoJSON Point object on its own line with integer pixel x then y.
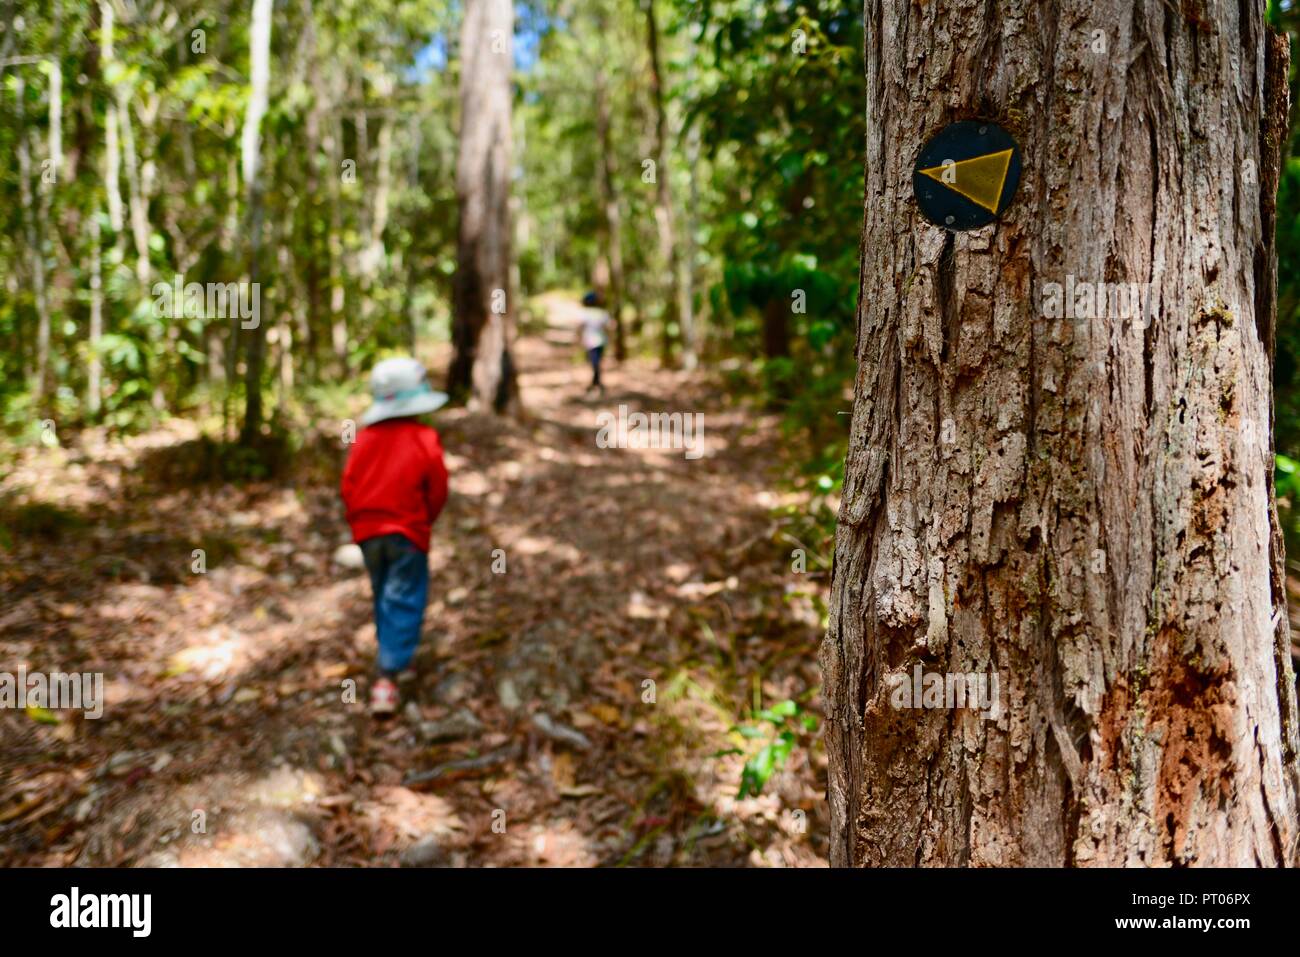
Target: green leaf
{"type": "Point", "coordinates": [42, 715]}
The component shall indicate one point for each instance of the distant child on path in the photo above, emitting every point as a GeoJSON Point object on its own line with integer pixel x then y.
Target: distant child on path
{"type": "Point", "coordinates": [594, 321]}
{"type": "Point", "coordinates": [394, 485]}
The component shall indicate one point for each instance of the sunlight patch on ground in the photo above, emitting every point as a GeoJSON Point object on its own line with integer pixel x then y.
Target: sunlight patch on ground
{"type": "Point", "coordinates": [216, 653]}
{"type": "Point", "coordinates": [410, 815]}
{"type": "Point", "coordinates": [557, 844]}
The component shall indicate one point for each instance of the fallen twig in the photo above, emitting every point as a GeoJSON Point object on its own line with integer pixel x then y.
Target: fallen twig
{"type": "Point", "coordinates": [491, 759]}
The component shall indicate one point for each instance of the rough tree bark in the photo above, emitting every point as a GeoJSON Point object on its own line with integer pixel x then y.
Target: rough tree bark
{"type": "Point", "coordinates": [482, 315]}
{"type": "Point", "coordinates": [1081, 507]}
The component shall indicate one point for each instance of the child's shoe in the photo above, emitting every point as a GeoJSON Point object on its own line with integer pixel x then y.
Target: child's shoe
{"type": "Point", "coordinates": [384, 697]}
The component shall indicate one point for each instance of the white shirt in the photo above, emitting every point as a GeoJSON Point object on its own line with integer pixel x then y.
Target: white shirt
{"type": "Point", "coordinates": [594, 322]}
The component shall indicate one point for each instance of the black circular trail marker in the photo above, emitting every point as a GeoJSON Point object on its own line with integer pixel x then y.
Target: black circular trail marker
{"type": "Point", "coordinates": [966, 175]}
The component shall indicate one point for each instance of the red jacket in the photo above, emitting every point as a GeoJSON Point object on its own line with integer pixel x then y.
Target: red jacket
{"type": "Point", "coordinates": [395, 481]}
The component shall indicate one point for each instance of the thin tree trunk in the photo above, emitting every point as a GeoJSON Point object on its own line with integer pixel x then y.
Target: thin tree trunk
{"type": "Point", "coordinates": [94, 367]}
{"type": "Point", "coordinates": [669, 255]}
{"type": "Point", "coordinates": [613, 234]}
{"type": "Point", "coordinates": [338, 292]}
{"type": "Point", "coordinates": [687, 283]}
{"type": "Point", "coordinates": [229, 349]}
{"type": "Point", "coordinates": [1081, 507]}
{"type": "Point", "coordinates": [251, 144]}
{"type": "Point", "coordinates": [409, 329]}
{"type": "Point", "coordinates": [113, 203]}
{"type": "Point", "coordinates": [689, 322]}
{"type": "Point", "coordinates": [519, 219]}
{"type": "Point", "coordinates": [138, 204]}
{"type": "Point", "coordinates": [112, 168]}
{"type": "Point", "coordinates": [309, 240]}
{"type": "Point", "coordinates": [283, 327]}
{"type": "Point", "coordinates": [375, 253]}
{"type": "Point", "coordinates": [482, 370]}
{"type": "Point", "coordinates": [33, 234]}
{"type": "Point", "coordinates": [776, 328]}
{"type": "Point", "coordinates": [55, 74]}
{"type": "Point", "coordinates": [54, 157]}
{"type": "Point", "coordinates": [383, 183]}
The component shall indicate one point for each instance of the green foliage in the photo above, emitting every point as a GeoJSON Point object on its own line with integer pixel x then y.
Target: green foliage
{"type": "Point", "coordinates": [782, 164]}
{"type": "Point", "coordinates": [1286, 369]}
{"type": "Point", "coordinates": [765, 142]}
{"type": "Point", "coordinates": [1286, 481]}
{"type": "Point", "coordinates": [1286, 489]}
{"type": "Point", "coordinates": [350, 82]}
{"type": "Point", "coordinates": [778, 731]}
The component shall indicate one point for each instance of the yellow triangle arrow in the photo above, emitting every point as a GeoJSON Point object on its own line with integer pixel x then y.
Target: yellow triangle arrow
{"type": "Point", "coordinates": [979, 179]}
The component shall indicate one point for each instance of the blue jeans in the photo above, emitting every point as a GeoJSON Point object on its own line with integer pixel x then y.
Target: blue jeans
{"type": "Point", "coordinates": [593, 356]}
{"type": "Point", "coordinates": [399, 578]}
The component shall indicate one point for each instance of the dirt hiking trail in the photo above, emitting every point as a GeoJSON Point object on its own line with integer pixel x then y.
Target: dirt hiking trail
{"type": "Point", "coordinates": [600, 620]}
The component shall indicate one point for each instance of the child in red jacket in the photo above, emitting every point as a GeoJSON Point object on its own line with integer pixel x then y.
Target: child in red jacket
{"type": "Point", "coordinates": [394, 486]}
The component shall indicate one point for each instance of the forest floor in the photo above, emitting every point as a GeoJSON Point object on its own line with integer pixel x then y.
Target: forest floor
{"type": "Point", "coordinates": [591, 703]}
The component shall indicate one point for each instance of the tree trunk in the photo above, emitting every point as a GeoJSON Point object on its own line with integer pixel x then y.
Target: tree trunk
{"type": "Point", "coordinates": [311, 240]}
{"type": "Point", "coordinates": [690, 321]}
{"type": "Point", "coordinates": [674, 311]}
{"type": "Point", "coordinates": [373, 258]}
{"type": "Point", "coordinates": [112, 152]}
{"type": "Point", "coordinates": [519, 215]}
{"type": "Point", "coordinates": [776, 328]}
{"type": "Point", "coordinates": [482, 317]}
{"type": "Point", "coordinates": [139, 200]}
{"type": "Point", "coordinates": [613, 233]}
{"type": "Point", "coordinates": [259, 45]}
{"type": "Point", "coordinates": [338, 291]}
{"type": "Point", "coordinates": [112, 164]}
{"type": "Point", "coordinates": [55, 74]}
{"type": "Point", "coordinates": [113, 205]}
{"type": "Point", "coordinates": [34, 233]}
{"type": "Point", "coordinates": [1081, 507]}
{"type": "Point", "coordinates": [94, 365]}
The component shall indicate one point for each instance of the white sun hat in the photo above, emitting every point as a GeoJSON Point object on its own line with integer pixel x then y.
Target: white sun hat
{"type": "Point", "coordinates": [400, 388]}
